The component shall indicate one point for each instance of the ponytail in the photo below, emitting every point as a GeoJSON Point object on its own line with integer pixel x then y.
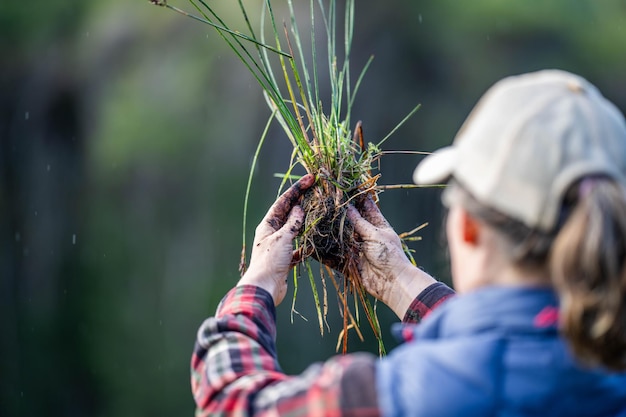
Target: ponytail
{"type": "Point", "coordinates": [587, 264]}
{"type": "Point", "coordinates": [586, 259]}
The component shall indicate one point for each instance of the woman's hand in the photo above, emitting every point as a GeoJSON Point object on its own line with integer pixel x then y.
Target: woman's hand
{"type": "Point", "coordinates": [272, 252]}
{"type": "Point", "coordinates": [386, 272]}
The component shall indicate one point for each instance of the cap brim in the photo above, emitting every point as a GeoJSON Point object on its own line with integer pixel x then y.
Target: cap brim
{"type": "Point", "coordinates": [437, 167]}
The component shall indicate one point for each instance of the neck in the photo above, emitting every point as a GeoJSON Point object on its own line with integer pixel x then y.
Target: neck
{"type": "Point", "coordinates": [488, 266]}
{"type": "Point", "coordinates": [513, 275]}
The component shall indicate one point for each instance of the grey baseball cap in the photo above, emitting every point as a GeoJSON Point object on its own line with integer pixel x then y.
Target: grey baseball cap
{"type": "Point", "coordinates": [529, 138]}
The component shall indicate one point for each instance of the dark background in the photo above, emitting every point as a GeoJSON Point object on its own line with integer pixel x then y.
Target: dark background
{"type": "Point", "coordinates": [126, 136]}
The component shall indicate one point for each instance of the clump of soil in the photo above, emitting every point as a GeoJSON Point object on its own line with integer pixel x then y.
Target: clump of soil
{"type": "Point", "coordinates": [328, 235]}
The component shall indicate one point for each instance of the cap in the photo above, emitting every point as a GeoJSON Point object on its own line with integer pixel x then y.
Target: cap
{"type": "Point", "coordinates": [529, 138]}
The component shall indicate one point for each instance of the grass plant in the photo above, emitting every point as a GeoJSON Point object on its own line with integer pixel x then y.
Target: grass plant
{"type": "Point", "coordinates": [325, 142]}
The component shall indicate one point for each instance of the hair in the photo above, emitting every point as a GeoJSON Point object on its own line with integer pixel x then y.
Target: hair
{"type": "Point", "coordinates": [585, 256]}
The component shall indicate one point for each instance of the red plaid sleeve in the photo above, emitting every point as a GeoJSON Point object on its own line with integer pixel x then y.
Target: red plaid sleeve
{"type": "Point", "coordinates": [427, 301]}
{"type": "Point", "coordinates": [235, 370]}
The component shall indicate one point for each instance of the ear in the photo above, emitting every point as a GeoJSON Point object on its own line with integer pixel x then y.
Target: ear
{"type": "Point", "coordinates": [470, 228]}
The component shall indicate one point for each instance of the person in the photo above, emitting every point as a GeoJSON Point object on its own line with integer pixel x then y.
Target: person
{"type": "Point", "coordinates": [536, 229]}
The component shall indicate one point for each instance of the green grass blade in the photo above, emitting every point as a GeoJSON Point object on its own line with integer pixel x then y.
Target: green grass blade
{"type": "Point", "coordinates": [246, 19]}
{"type": "Point", "coordinates": [225, 29]}
{"type": "Point", "coordinates": [305, 102]}
{"type": "Point", "coordinates": [293, 121]}
{"type": "Point", "coordinates": [316, 297]}
{"type": "Point", "coordinates": [359, 80]}
{"type": "Point", "coordinates": [251, 174]}
{"type": "Point", "coordinates": [324, 297]}
{"type": "Point", "coordinates": [295, 294]}
{"type": "Point", "coordinates": [239, 49]}
{"type": "Point", "coordinates": [373, 318]}
{"type": "Point", "coordinates": [348, 35]}
{"type": "Point", "coordinates": [299, 47]}
{"type": "Point", "coordinates": [316, 99]}
{"type": "Point", "coordinates": [407, 117]}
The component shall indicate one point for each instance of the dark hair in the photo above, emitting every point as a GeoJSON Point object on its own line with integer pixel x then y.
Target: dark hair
{"type": "Point", "coordinates": [585, 256]}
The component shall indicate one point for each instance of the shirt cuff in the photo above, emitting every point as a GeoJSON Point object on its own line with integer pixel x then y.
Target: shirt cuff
{"type": "Point", "coordinates": [252, 302]}
{"type": "Point", "coordinates": [427, 301]}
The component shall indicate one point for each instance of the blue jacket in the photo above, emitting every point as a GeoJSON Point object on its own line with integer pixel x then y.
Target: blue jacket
{"type": "Point", "coordinates": [494, 352]}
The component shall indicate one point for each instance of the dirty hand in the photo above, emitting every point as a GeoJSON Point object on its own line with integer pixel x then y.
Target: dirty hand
{"type": "Point", "coordinates": [386, 272]}
{"type": "Point", "coordinates": [272, 252]}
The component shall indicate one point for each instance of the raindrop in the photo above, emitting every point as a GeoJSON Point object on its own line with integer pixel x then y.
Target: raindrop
{"type": "Point", "coordinates": [74, 239]}
{"type": "Point", "coordinates": [27, 116]}
{"type": "Point", "coordinates": [35, 213]}
{"type": "Point", "coordinates": [419, 18]}
{"type": "Point", "coordinates": [48, 168]}
{"type": "Point", "coordinates": [18, 236]}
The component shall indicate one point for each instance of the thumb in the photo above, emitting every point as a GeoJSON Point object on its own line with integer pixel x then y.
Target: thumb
{"type": "Point", "coordinates": [364, 228]}
{"type": "Point", "coordinates": [371, 212]}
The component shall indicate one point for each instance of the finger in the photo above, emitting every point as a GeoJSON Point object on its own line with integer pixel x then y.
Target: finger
{"type": "Point", "coordinates": [289, 231]}
{"type": "Point", "coordinates": [294, 223]}
{"type": "Point", "coordinates": [363, 227]}
{"type": "Point", "coordinates": [277, 214]}
{"type": "Point", "coordinates": [370, 211]}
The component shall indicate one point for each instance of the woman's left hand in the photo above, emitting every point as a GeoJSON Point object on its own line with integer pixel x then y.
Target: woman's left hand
{"type": "Point", "coordinates": [272, 252]}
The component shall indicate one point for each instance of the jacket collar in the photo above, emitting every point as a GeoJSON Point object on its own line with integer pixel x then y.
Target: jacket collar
{"type": "Point", "coordinates": [491, 309]}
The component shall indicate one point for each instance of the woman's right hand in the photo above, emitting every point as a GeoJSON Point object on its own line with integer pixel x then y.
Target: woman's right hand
{"type": "Point", "coordinates": [386, 272]}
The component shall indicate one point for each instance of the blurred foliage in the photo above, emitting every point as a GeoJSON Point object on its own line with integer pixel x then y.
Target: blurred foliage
{"type": "Point", "coordinates": [24, 25]}
{"type": "Point", "coordinates": [126, 135]}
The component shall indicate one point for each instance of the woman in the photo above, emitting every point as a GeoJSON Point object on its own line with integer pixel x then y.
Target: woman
{"type": "Point", "coordinates": [537, 236]}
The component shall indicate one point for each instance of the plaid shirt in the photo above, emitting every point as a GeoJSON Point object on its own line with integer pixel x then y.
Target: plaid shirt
{"type": "Point", "coordinates": [235, 370]}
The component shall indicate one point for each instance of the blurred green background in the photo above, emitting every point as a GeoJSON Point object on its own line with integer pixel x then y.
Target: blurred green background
{"type": "Point", "coordinates": [126, 136]}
